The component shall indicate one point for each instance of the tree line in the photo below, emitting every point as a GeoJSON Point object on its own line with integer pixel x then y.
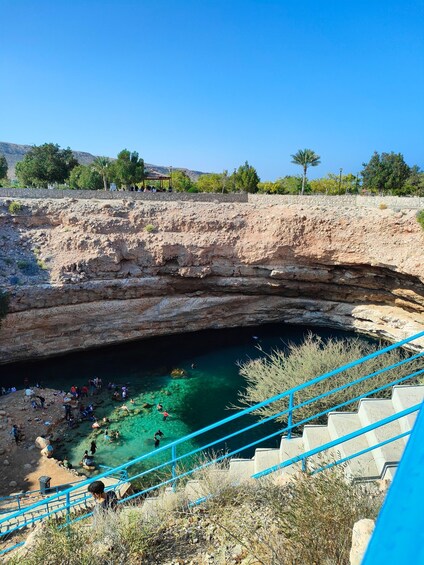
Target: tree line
{"type": "Point", "coordinates": [48, 164]}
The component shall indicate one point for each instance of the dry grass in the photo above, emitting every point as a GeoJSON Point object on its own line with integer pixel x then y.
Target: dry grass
{"type": "Point", "coordinates": [306, 521]}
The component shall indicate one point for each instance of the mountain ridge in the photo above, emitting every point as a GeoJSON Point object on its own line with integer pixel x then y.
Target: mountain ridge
{"type": "Point", "coordinates": [15, 152]}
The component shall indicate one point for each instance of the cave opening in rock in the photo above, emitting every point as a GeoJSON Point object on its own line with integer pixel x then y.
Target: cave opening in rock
{"type": "Point", "coordinates": [210, 384]}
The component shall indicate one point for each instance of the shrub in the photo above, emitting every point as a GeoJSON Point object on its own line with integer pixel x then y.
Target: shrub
{"type": "Point", "coordinates": [420, 218]}
{"type": "Point", "coordinates": [41, 264]}
{"type": "Point", "coordinates": [308, 520]}
{"type": "Point", "coordinates": [382, 206]}
{"type": "Point", "coordinates": [27, 267]}
{"type": "Point", "coordinates": [4, 304]}
{"type": "Point", "coordinates": [150, 228]}
{"type": "Point", "coordinates": [280, 371]}
{"type": "Point", "coordinates": [15, 207]}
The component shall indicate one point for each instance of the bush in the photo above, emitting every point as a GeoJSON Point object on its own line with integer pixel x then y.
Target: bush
{"type": "Point", "coordinates": [27, 267]}
{"type": "Point", "coordinates": [150, 228]}
{"type": "Point", "coordinates": [420, 218]}
{"type": "Point", "coordinates": [382, 206]}
{"type": "Point", "coordinates": [4, 304]}
{"type": "Point", "coordinates": [15, 207]}
{"type": "Point", "coordinates": [41, 264]}
{"type": "Point", "coordinates": [280, 371]}
{"type": "Point", "coordinates": [308, 520]}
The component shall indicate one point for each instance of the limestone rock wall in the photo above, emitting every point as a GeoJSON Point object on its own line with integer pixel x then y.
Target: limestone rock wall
{"type": "Point", "coordinates": [87, 273]}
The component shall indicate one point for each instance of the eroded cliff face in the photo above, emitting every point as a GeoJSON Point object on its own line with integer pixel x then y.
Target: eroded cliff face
{"type": "Point", "coordinates": [114, 271]}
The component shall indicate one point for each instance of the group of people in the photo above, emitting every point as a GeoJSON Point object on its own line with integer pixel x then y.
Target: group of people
{"type": "Point", "coordinates": [95, 386]}
{"type": "Point", "coordinates": [119, 393]}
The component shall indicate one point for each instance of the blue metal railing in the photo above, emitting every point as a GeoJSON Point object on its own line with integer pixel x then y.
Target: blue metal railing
{"type": "Point", "coordinates": [21, 498]}
{"type": "Point", "coordinates": [398, 536]}
{"type": "Point", "coordinates": [168, 458]}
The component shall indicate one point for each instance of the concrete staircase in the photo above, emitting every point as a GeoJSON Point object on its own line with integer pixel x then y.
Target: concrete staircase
{"type": "Point", "coordinates": [380, 463]}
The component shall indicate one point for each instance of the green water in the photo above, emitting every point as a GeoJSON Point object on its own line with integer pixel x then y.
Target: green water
{"type": "Point", "coordinates": [145, 366]}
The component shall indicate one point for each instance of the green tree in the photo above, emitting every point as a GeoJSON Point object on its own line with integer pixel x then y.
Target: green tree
{"type": "Point", "coordinates": [387, 172]}
{"type": "Point", "coordinates": [45, 164]}
{"type": "Point", "coordinates": [334, 184]}
{"type": "Point", "coordinates": [213, 182]}
{"type": "Point", "coordinates": [246, 178]}
{"type": "Point", "coordinates": [415, 182]}
{"type": "Point", "coordinates": [102, 166]}
{"type": "Point", "coordinates": [86, 178]}
{"type": "Point", "coordinates": [305, 158]}
{"type": "Point", "coordinates": [181, 182]}
{"type": "Point", "coordinates": [286, 185]}
{"type": "Point", "coordinates": [3, 167]}
{"type": "Point", "coordinates": [128, 169]}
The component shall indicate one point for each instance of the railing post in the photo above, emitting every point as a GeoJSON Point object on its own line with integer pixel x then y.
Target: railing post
{"type": "Point", "coordinates": [174, 465]}
{"type": "Point", "coordinates": [304, 465]}
{"type": "Point", "coordinates": [68, 510]}
{"type": "Point", "coordinates": [19, 502]}
{"type": "Point", "coordinates": [290, 418]}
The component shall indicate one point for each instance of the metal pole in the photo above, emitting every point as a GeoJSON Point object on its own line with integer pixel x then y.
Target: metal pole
{"type": "Point", "coordinates": [68, 509]}
{"type": "Point", "coordinates": [340, 181]}
{"type": "Point", "coordinates": [174, 465]}
{"type": "Point", "coordinates": [290, 418]}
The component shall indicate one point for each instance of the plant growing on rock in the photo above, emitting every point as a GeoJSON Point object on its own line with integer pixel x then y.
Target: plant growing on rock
{"type": "Point", "coordinates": [15, 207]}
{"type": "Point", "coordinates": [4, 304]}
{"type": "Point", "coordinates": [150, 228]}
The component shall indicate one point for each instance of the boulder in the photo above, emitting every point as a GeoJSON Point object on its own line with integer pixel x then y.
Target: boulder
{"type": "Point", "coordinates": [361, 534]}
{"type": "Point", "coordinates": [41, 442]}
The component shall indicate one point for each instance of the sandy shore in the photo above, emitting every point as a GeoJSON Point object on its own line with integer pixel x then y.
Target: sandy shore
{"type": "Point", "coordinates": [22, 464]}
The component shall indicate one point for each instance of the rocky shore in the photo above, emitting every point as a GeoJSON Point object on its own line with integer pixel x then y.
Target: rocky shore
{"type": "Point", "coordinates": [21, 464]}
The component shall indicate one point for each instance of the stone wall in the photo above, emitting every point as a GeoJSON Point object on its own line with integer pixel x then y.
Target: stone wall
{"type": "Point", "coordinates": [405, 202]}
{"type": "Point", "coordinates": [44, 193]}
{"type": "Point", "coordinates": [400, 202]}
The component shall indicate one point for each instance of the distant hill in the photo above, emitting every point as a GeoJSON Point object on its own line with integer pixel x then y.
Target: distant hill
{"type": "Point", "coordinates": [15, 153]}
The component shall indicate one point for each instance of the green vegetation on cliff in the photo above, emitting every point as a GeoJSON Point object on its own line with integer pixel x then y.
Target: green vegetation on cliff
{"type": "Point", "coordinates": [4, 304]}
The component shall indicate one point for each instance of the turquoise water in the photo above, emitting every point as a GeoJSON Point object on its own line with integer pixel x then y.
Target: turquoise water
{"type": "Point", "coordinates": [210, 360]}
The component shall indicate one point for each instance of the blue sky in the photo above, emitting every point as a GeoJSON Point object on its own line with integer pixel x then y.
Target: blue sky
{"type": "Point", "coordinates": [208, 84]}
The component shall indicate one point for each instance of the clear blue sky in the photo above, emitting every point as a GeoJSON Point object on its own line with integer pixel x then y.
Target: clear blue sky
{"type": "Point", "coordinates": [207, 84]}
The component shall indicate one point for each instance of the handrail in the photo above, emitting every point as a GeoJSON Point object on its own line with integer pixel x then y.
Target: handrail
{"type": "Point", "coordinates": [172, 447]}
{"type": "Point", "coordinates": [398, 533]}
{"type": "Point", "coordinates": [338, 441]}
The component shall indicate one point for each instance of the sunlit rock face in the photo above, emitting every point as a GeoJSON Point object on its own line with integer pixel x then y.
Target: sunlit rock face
{"type": "Point", "coordinates": [83, 274]}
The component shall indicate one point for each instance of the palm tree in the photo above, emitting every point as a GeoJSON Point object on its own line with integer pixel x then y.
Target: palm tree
{"type": "Point", "coordinates": [101, 165]}
{"type": "Point", "coordinates": [305, 158]}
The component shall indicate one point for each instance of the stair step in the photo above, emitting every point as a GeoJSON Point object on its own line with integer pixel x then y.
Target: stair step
{"type": "Point", "coordinates": [344, 423]}
{"type": "Point", "coordinates": [316, 436]}
{"type": "Point", "coordinates": [371, 411]}
{"type": "Point", "coordinates": [404, 397]}
{"type": "Point", "coordinates": [241, 469]}
{"type": "Point", "coordinates": [290, 448]}
{"type": "Point", "coordinates": [195, 489]}
{"type": "Point", "coordinates": [266, 458]}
